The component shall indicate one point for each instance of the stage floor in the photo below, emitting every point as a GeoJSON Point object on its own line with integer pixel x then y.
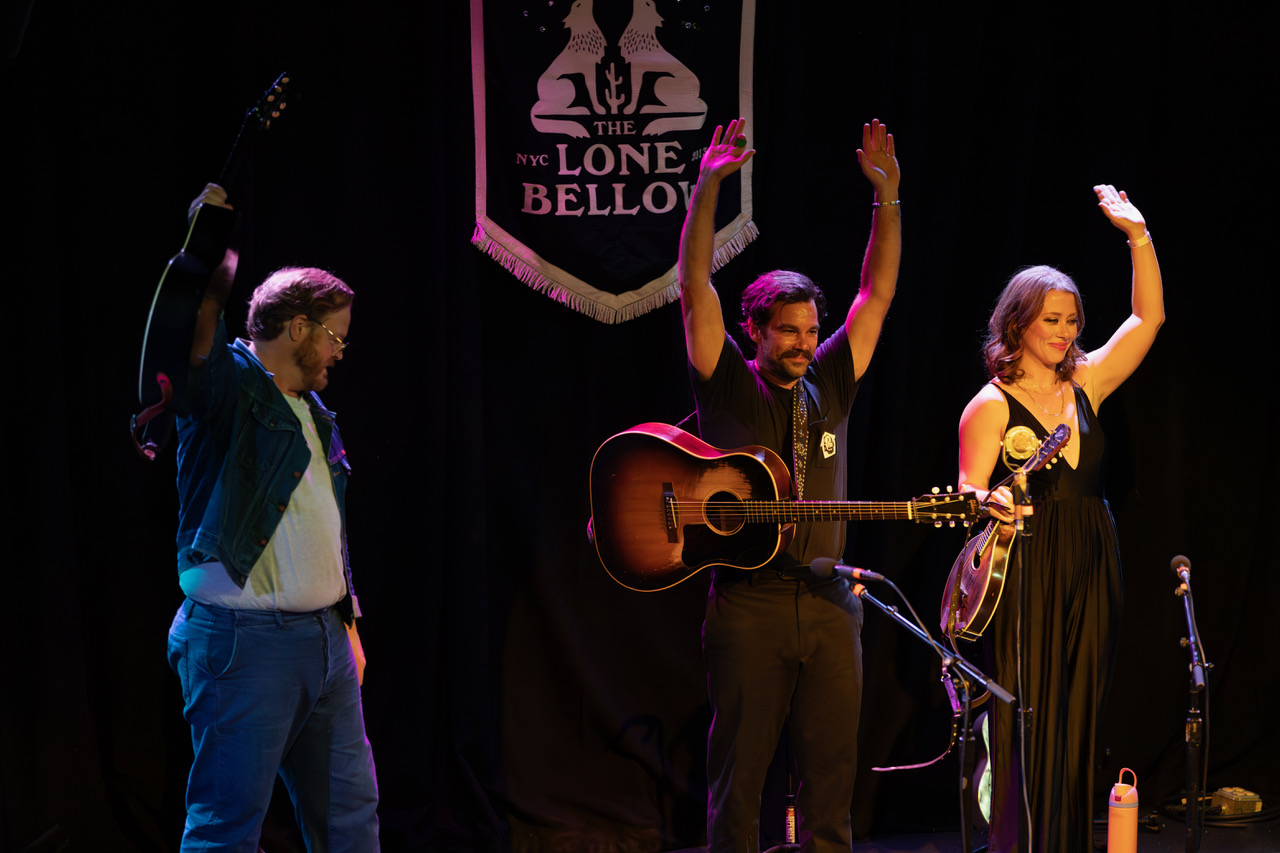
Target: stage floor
{"type": "Point", "coordinates": [1259, 837]}
{"type": "Point", "coordinates": [1245, 838]}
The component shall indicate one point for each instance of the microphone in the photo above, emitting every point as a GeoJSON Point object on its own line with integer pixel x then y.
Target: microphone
{"type": "Point", "coordinates": [1181, 567]}
{"type": "Point", "coordinates": [1020, 442]}
{"type": "Point", "coordinates": [825, 567]}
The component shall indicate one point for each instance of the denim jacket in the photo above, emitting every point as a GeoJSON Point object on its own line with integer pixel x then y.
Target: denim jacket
{"type": "Point", "coordinates": [241, 453]}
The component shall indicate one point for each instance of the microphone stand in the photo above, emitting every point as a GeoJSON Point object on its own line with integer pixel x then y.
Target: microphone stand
{"type": "Point", "coordinates": [1015, 445]}
{"type": "Point", "coordinates": [1195, 825]}
{"type": "Point", "coordinates": [962, 673]}
{"type": "Point", "coordinates": [1023, 510]}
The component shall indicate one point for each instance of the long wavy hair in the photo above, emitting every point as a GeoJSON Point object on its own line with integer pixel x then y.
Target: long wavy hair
{"type": "Point", "coordinates": [1018, 307]}
{"type": "Point", "coordinates": [291, 291]}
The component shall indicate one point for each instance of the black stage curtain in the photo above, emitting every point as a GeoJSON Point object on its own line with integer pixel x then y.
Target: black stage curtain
{"type": "Point", "coordinates": [516, 697]}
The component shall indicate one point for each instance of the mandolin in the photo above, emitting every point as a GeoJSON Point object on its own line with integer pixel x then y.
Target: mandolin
{"type": "Point", "coordinates": [977, 577]}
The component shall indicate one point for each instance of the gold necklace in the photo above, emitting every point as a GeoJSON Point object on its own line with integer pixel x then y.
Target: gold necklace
{"type": "Point", "coordinates": [1062, 401]}
{"type": "Point", "coordinates": [1022, 380]}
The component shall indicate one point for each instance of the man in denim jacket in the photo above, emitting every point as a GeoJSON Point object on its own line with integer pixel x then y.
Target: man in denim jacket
{"type": "Point", "coordinates": [265, 643]}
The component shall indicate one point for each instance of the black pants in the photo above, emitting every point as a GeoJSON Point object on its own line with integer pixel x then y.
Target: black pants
{"type": "Point", "coordinates": [773, 646]}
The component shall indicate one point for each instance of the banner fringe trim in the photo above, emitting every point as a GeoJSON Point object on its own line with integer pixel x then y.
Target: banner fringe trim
{"type": "Point", "coordinates": [531, 276]}
{"type": "Point", "coordinates": [745, 236]}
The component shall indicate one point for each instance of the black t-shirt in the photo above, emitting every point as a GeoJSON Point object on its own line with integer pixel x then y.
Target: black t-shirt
{"type": "Point", "coordinates": [737, 407]}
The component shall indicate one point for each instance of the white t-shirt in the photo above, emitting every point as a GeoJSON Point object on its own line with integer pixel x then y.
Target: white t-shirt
{"type": "Point", "coordinates": [300, 569]}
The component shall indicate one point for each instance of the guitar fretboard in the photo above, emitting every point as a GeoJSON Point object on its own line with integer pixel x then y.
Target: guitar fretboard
{"type": "Point", "coordinates": [785, 512]}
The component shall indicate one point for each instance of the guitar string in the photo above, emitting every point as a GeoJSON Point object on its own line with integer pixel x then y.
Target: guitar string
{"type": "Point", "coordinates": [813, 506]}
{"type": "Point", "coordinates": [760, 502]}
{"type": "Point", "coordinates": [818, 510]}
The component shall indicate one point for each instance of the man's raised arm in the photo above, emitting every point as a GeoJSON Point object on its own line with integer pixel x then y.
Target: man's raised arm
{"type": "Point", "coordinates": [220, 281]}
{"type": "Point", "coordinates": [703, 319]}
{"type": "Point", "coordinates": [884, 249]}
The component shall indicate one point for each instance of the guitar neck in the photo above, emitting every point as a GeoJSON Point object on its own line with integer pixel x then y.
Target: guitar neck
{"type": "Point", "coordinates": [785, 512]}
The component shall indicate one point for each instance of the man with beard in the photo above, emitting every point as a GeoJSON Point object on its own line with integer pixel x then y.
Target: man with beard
{"type": "Point", "coordinates": [265, 643]}
{"type": "Point", "coordinates": [780, 640]}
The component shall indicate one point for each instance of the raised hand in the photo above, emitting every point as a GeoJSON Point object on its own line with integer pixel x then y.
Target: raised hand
{"type": "Point", "coordinates": [1120, 211]}
{"type": "Point", "coordinates": [1113, 362]}
{"type": "Point", "coordinates": [725, 155]}
{"type": "Point", "coordinates": [211, 194]}
{"type": "Point", "coordinates": [878, 162]}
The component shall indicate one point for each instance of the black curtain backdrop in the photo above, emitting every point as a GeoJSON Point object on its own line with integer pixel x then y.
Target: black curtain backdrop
{"type": "Point", "coordinates": [516, 697]}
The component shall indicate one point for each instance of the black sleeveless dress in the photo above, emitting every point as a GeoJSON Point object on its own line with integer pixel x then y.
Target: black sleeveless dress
{"type": "Point", "coordinates": [1069, 627]}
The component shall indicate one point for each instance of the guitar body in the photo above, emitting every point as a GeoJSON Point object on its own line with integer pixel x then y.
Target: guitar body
{"type": "Point", "coordinates": [645, 542]}
{"type": "Point", "coordinates": [167, 341]}
{"type": "Point", "coordinates": [976, 582]}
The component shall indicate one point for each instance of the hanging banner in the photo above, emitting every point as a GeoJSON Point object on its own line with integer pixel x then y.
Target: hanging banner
{"type": "Point", "coordinates": [591, 117]}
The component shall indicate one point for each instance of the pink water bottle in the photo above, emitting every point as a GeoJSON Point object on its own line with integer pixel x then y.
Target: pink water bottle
{"type": "Point", "coordinates": [1122, 815]}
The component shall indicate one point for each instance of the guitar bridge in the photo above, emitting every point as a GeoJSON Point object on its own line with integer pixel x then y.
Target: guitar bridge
{"type": "Point", "coordinates": [671, 513]}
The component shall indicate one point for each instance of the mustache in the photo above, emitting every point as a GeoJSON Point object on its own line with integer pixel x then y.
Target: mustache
{"type": "Point", "coordinates": [798, 353]}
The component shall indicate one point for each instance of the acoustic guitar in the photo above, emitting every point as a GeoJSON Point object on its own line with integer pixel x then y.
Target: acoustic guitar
{"type": "Point", "coordinates": [206, 253]}
{"type": "Point", "coordinates": [666, 505]}
{"type": "Point", "coordinates": [977, 577]}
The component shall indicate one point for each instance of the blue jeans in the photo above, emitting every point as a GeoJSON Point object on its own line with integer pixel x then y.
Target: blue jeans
{"type": "Point", "coordinates": [265, 693]}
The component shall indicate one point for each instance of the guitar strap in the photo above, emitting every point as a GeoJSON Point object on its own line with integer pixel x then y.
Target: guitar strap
{"type": "Point", "coordinates": [141, 428]}
{"type": "Point", "coordinates": [799, 435]}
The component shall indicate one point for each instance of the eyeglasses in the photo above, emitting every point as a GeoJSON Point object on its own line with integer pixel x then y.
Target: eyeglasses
{"type": "Point", "coordinates": [338, 342]}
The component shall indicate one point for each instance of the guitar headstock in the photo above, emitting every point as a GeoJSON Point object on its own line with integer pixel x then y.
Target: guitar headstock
{"type": "Point", "coordinates": [946, 508]}
{"type": "Point", "coordinates": [258, 117]}
{"type": "Point", "coordinates": [270, 105]}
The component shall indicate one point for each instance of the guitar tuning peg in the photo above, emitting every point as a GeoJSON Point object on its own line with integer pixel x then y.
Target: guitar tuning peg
{"type": "Point", "coordinates": [965, 523]}
{"type": "Point", "coordinates": [937, 524]}
{"type": "Point", "coordinates": [934, 490]}
{"type": "Point", "coordinates": [952, 524]}
{"type": "Point", "coordinates": [948, 490]}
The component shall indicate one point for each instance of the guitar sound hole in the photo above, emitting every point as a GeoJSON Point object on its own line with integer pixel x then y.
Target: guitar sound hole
{"type": "Point", "coordinates": [723, 512]}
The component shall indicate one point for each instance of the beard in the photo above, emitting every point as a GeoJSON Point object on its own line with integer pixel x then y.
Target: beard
{"type": "Point", "coordinates": [312, 366]}
{"type": "Point", "coordinates": [783, 369]}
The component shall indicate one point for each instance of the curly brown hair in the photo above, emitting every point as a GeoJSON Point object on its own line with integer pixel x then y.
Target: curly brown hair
{"type": "Point", "coordinates": [1017, 308]}
{"type": "Point", "coordinates": [291, 291]}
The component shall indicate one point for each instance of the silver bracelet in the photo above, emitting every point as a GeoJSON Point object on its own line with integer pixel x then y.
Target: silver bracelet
{"type": "Point", "coordinates": [1141, 241]}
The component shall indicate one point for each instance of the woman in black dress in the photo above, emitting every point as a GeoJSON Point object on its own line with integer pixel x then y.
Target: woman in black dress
{"type": "Point", "coordinates": [1056, 654]}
